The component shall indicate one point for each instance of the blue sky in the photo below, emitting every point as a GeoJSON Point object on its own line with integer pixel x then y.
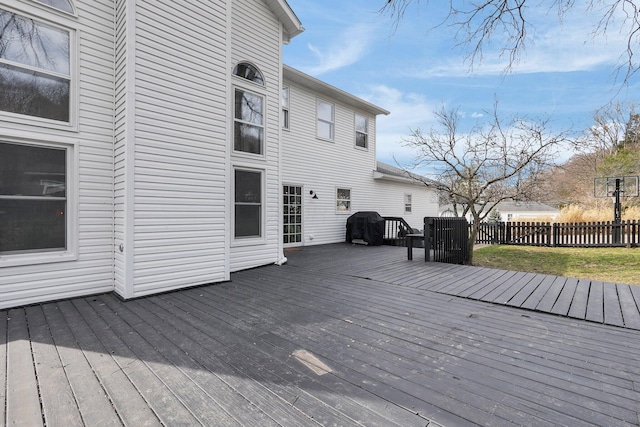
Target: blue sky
{"type": "Point", "coordinates": [565, 73]}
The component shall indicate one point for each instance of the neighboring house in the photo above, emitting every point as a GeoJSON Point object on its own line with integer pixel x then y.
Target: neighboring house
{"type": "Point", "coordinates": [139, 144]}
{"type": "Point", "coordinates": [526, 211]}
{"type": "Point", "coordinates": [329, 168]}
{"type": "Point", "coordinates": [515, 211]}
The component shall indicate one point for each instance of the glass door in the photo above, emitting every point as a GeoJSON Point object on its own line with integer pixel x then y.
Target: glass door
{"type": "Point", "coordinates": [292, 210]}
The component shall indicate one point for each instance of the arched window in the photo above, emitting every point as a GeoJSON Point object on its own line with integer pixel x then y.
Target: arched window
{"type": "Point", "coordinates": [63, 5]}
{"type": "Point", "coordinates": [249, 72]}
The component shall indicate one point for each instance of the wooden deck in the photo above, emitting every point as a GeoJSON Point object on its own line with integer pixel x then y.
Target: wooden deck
{"type": "Point", "coordinates": [613, 304]}
{"type": "Point", "coordinates": [342, 335]}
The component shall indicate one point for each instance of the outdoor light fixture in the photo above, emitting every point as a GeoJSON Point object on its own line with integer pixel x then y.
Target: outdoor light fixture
{"type": "Point", "coordinates": [313, 194]}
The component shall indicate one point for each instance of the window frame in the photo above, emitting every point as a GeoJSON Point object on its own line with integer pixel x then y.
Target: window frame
{"type": "Point", "coordinates": [349, 200]}
{"type": "Point", "coordinates": [332, 123]}
{"type": "Point", "coordinates": [408, 203]}
{"type": "Point", "coordinates": [46, 256]}
{"type": "Point", "coordinates": [254, 239]}
{"type": "Point", "coordinates": [356, 131]}
{"type": "Point", "coordinates": [263, 126]}
{"type": "Point", "coordinates": [64, 21]}
{"type": "Point", "coordinates": [286, 115]}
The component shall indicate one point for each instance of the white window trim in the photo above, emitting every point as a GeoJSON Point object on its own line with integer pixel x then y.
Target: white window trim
{"type": "Point", "coordinates": [64, 21]}
{"type": "Point", "coordinates": [253, 240]}
{"type": "Point", "coordinates": [332, 122]}
{"type": "Point", "coordinates": [355, 132]}
{"type": "Point", "coordinates": [302, 205]}
{"type": "Point", "coordinates": [348, 211]}
{"type": "Point", "coordinates": [408, 197]}
{"type": "Point", "coordinates": [71, 252]}
{"type": "Point", "coordinates": [256, 90]}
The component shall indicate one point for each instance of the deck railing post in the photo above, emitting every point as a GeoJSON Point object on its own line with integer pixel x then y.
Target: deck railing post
{"type": "Point", "coordinates": [427, 237]}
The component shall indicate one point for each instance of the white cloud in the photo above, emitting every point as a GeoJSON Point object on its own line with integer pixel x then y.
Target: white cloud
{"type": "Point", "coordinates": [408, 111]}
{"type": "Point", "coordinates": [346, 49]}
{"type": "Point", "coordinates": [567, 46]}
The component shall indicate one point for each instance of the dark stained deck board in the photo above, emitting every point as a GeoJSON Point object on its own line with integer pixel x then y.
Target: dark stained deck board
{"type": "Point", "coordinates": [130, 405]}
{"type": "Point", "coordinates": [187, 398]}
{"type": "Point", "coordinates": [532, 292]}
{"type": "Point", "coordinates": [614, 411]}
{"type": "Point", "coordinates": [563, 303]}
{"type": "Point", "coordinates": [248, 357]}
{"type": "Point", "coordinates": [391, 307]}
{"type": "Point", "coordinates": [505, 281]}
{"type": "Point", "coordinates": [394, 334]}
{"type": "Point", "coordinates": [391, 303]}
{"type": "Point", "coordinates": [509, 289]}
{"type": "Point", "coordinates": [595, 302]}
{"type": "Point", "coordinates": [578, 309]}
{"type": "Point", "coordinates": [612, 305]}
{"type": "Point", "coordinates": [93, 403]}
{"type": "Point", "coordinates": [628, 306]}
{"type": "Point", "coordinates": [58, 402]}
{"type": "Point", "coordinates": [371, 362]}
{"type": "Point", "coordinates": [305, 402]}
{"type": "Point", "coordinates": [23, 400]}
{"type": "Point", "coordinates": [543, 299]}
{"type": "Point", "coordinates": [480, 281]}
{"type": "Point", "coordinates": [160, 398]}
{"type": "Point", "coordinates": [232, 365]}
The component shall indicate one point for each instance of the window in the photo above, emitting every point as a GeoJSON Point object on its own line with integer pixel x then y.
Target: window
{"type": "Point", "coordinates": [325, 119]}
{"type": "Point", "coordinates": [285, 108]}
{"type": "Point", "coordinates": [63, 5]}
{"type": "Point", "coordinates": [343, 200]}
{"type": "Point", "coordinates": [35, 67]}
{"type": "Point", "coordinates": [249, 72]}
{"type": "Point", "coordinates": [33, 198]}
{"type": "Point", "coordinates": [248, 122]}
{"type": "Point", "coordinates": [407, 203]}
{"type": "Point", "coordinates": [362, 131]}
{"type": "Point", "coordinates": [247, 203]}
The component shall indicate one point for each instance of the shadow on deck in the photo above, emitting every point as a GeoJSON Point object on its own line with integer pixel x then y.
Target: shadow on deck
{"type": "Point", "coordinates": [340, 335]}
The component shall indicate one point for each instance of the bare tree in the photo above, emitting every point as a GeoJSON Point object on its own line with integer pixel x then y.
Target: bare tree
{"type": "Point", "coordinates": [479, 21]}
{"type": "Point", "coordinates": [500, 160]}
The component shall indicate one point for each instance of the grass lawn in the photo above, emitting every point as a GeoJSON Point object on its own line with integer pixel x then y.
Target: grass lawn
{"type": "Point", "coordinates": [619, 265]}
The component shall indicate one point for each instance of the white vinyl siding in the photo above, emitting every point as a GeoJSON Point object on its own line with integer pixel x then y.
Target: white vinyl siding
{"type": "Point", "coordinates": [90, 209]}
{"type": "Point", "coordinates": [256, 38]}
{"type": "Point", "coordinates": [173, 203]}
{"type": "Point", "coordinates": [336, 165]}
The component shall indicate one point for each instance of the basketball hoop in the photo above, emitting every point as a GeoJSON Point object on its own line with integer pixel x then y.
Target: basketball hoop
{"type": "Point", "coordinates": [616, 187]}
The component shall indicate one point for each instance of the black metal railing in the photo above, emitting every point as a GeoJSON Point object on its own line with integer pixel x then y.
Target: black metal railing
{"type": "Point", "coordinates": [395, 231]}
{"type": "Point", "coordinates": [446, 240]}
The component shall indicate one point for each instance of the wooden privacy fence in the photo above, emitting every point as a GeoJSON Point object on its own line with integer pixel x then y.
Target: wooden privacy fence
{"type": "Point", "coordinates": [589, 234]}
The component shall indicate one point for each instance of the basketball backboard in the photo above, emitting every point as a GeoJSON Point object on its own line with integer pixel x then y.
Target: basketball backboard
{"type": "Point", "coordinates": [606, 186]}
